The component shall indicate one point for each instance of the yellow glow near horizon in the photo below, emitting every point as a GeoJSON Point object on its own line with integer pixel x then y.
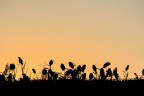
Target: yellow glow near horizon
{"type": "Point", "coordinates": [83, 31]}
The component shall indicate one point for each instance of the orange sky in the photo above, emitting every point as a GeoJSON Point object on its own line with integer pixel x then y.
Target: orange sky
{"type": "Point", "coordinates": [84, 31]}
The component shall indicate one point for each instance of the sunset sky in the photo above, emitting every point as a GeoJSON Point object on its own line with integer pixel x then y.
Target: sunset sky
{"type": "Point", "coordinates": [82, 31]}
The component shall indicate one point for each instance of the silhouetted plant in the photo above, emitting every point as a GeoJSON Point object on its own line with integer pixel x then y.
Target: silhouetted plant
{"type": "Point", "coordinates": [51, 74]}
{"type": "Point", "coordinates": [126, 72]}
{"type": "Point", "coordinates": [34, 72]}
{"type": "Point", "coordinates": [62, 76]}
{"type": "Point", "coordinates": [109, 73]}
{"type": "Point", "coordinates": [71, 65]}
{"type": "Point", "coordinates": [91, 77]}
{"type": "Point", "coordinates": [79, 68]}
{"type": "Point", "coordinates": [62, 67]}
{"type": "Point", "coordinates": [6, 70]}
{"type": "Point", "coordinates": [95, 70]}
{"type": "Point", "coordinates": [51, 63]}
{"type": "Point", "coordinates": [22, 64]}
{"type": "Point", "coordinates": [10, 77]}
{"type": "Point", "coordinates": [104, 78]}
{"type": "Point", "coordinates": [83, 68]}
{"type": "Point", "coordinates": [25, 78]}
{"type": "Point", "coordinates": [9, 72]}
{"type": "Point", "coordinates": [44, 74]}
{"type": "Point", "coordinates": [72, 73]}
{"type": "Point", "coordinates": [68, 74]}
{"type": "Point", "coordinates": [83, 76]}
{"type": "Point", "coordinates": [102, 74]}
{"type": "Point", "coordinates": [116, 74]}
{"type": "Point", "coordinates": [12, 67]}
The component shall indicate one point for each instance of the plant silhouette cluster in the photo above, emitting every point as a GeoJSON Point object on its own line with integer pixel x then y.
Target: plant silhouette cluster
{"type": "Point", "coordinates": [69, 77]}
{"type": "Point", "coordinates": [72, 73]}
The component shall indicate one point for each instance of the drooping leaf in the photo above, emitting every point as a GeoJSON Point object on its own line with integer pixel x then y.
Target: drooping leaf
{"type": "Point", "coordinates": [106, 64]}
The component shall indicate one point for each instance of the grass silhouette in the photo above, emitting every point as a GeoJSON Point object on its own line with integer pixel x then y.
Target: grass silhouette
{"type": "Point", "coordinates": [102, 81]}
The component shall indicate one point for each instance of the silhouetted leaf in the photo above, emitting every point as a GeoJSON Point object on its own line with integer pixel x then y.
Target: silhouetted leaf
{"type": "Point", "coordinates": [20, 60]}
{"type": "Point", "coordinates": [127, 67]}
{"type": "Point", "coordinates": [83, 68]}
{"type": "Point", "coordinates": [44, 71]}
{"type": "Point", "coordinates": [109, 72]}
{"type": "Point", "coordinates": [115, 73]}
{"type": "Point", "coordinates": [94, 68]}
{"type": "Point", "coordinates": [115, 70]}
{"type": "Point", "coordinates": [12, 67]}
{"type": "Point", "coordinates": [79, 68]}
{"type": "Point", "coordinates": [34, 71]}
{"type": "Point", "coordinates": [71, 65]}
{"type": "Point", "coordinates": [106, 64]}
{"type": "Point", "coordinates": [62, 67]}
{"type": "Point", "coordinates": [51, 62]}
{"type": "Point", "coordinates": [102, 73]}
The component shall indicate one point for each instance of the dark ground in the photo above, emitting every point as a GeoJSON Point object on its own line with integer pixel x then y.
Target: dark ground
{"type": "Point", "coordinates": [73, 88]}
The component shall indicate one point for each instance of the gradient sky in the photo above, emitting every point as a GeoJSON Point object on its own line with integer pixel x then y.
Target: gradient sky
{"type": "Point", "coordinates": [83, 31]}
